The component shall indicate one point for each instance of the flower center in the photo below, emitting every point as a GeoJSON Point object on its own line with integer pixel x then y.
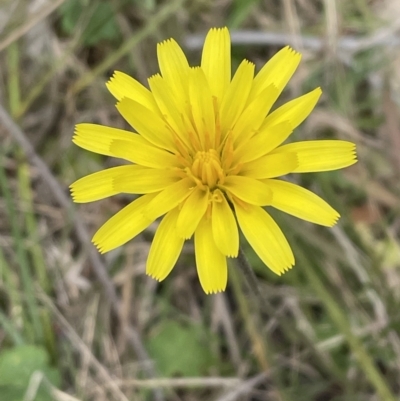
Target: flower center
{"type": "Point", "coordinates": [207, 169]}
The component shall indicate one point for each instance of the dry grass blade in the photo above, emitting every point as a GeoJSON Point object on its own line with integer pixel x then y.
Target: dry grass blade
{"type": "Point", "coordinates": [20, 31]}
{"type": "Point", "coordinates": [326, 330]}
{"type": "Point", "coordinates": [99, 268]}
{"type": "Point", "coordinates": [244, 388]}
{"type": "Point", "coordinates": [80, 346]}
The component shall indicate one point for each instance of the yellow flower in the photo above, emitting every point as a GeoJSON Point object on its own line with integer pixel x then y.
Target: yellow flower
{"type": "Point", "coordinates": [206, 154]}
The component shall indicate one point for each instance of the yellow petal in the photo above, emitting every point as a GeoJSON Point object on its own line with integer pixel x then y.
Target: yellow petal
{"type": "Point", "coordinates": [302, 203]}
{"type": "Point", "coordinates": [235, 97]}
{"type": "Point", "coordinates": [123, 226]}
{"type": "Point", "coordinates": [210, 262]}
{"type": "Point", "coordinates": [202, 107]}
{"type": "Point", "coordinates": [138, 150]}
{"type": "Point", "coordinates": [321, 155]}
{"type": "Point", "coordinates": [169, 198]}
{"type": "Point", "coordinates": [97, 138]}
{"type": "Point", "coordinates": [277, 71]}
{"type": "Point", "coordinates": [262, 143]}
{"type": "Point", "coordinates": [216, 61]}
{"type": "Point", "coordinates": [254, 115]}
{"type": "Point", "coordinates": [224, 227]}
{"type": "Point", "coordinates": [172, 60]}
{"type": "Point", "coordinates": [165, 247]}
{"type": "Point", "coordinates": [265, 237]}
{"type": "Point", "coordinates": [147, 123]}
{"type": "Point", "coordinates": [271, 165]}
{"type": "Point", "coordinates": [192, 212]}
{"type": "Point", "coordinates": [248, 189]}
{"type": "Point", "coordinates": [174, 69]}
{"type": "Point", "coordinates": [97, 185]}
{"type": "Point", "coordinates": [143, 180]}
{"type": "Point", "coordinates": [174, 112]}
{"type": "Point", "coordinates": [122, 85]}
{"type": "Point", "coordinates": [295, 111]}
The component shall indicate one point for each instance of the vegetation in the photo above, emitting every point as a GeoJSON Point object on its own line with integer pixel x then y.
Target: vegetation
{"type": "Point", "coordinates": [76, 326]}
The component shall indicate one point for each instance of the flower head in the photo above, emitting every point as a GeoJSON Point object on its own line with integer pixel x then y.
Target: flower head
{"type": "Point", "coordinates": [206, 155]}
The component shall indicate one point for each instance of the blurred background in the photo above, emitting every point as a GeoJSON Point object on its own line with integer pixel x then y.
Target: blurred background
{"type": "Point", "coordinates": [75, 326]}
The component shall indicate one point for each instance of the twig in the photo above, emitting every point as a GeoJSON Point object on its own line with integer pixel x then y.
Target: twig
{"type": "Point", "coordinates": [252, 284]}
{"type": "Point", "coordinates": [251, 278]}
{"type": "Point", "coordinates": [182, 382]}
{"type": "Point", "coordinates": [243, 388]}
{"type": "Point", "coordinates": [98, 265]}
{"type": "Point", "coordinates": [350, 44]}
{"type": "Point", "coordinates": [254, 288]}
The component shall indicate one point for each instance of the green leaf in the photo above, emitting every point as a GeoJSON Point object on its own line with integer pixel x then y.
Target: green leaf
{"type": "Point", "coordinates": [12, 393]}
{"type": "Point", "coordinates": [16, 368]}
{"type": "Point", "coordinates": [180, 349]}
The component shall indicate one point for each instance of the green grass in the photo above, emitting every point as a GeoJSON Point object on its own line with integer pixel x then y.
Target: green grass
{"type": "Point", "coordinates": [327, 330]}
